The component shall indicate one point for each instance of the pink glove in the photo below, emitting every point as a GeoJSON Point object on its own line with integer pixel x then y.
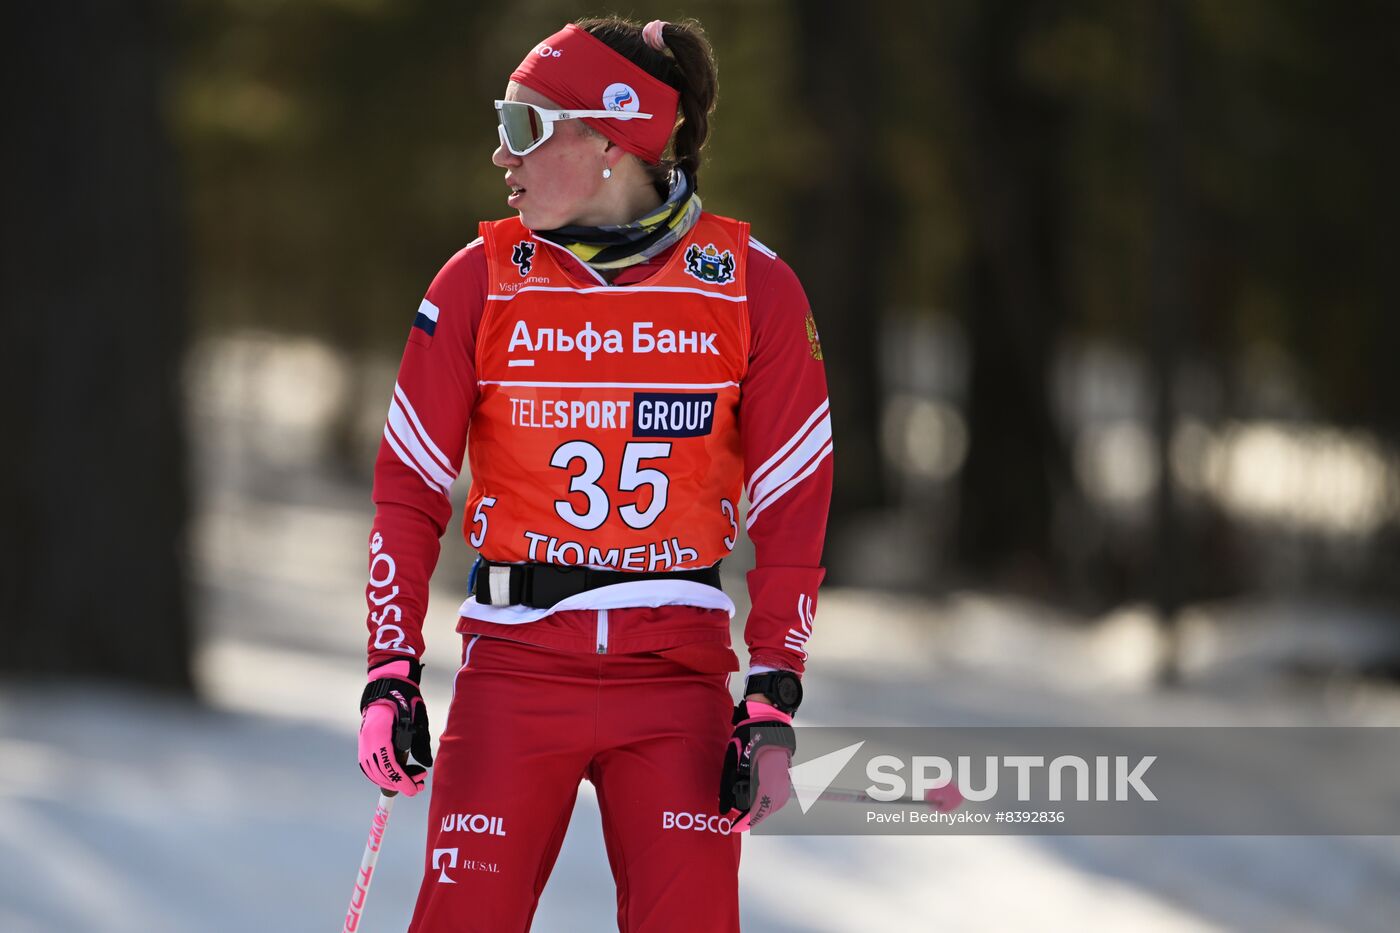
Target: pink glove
{"type": "Point", "coordinates": [755, 782]}
{"type": "Point", "coordinates": [393, 723]}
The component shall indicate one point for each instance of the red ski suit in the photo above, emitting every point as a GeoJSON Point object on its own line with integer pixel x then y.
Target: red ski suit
{"type": "Point", "coordinates": [611, 424]}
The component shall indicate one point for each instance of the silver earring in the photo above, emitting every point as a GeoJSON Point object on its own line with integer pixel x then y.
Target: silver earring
{"type": "Point", "coordinates": [607, 173]}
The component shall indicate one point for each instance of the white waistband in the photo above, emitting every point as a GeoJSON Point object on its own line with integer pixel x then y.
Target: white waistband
{"type": "Point", "coordinates": [643, 593]}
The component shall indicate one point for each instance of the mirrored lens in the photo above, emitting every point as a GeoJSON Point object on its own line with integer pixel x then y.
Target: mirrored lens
{"type": "Point", "coordinates": [522, 124]}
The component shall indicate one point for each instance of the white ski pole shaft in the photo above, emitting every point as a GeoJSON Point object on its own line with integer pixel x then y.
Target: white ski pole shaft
{"type": "Point", "coordinates": [367, 863]}
{"type": "Point", "coordinates": [943, 798]}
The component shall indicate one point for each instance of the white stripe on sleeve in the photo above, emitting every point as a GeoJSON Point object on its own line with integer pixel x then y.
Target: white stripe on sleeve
{"type": "Point", "coordinates": [442, 461]}
{"type": "Point", "coordinates": [756, 510]}
{"type": "Point", "coordinates": [796, 638]}
{"type": "Point", "coordinates": [408, 461]}
{"type": "Point", "coordinates": [757, 476]}
{"type": "Point", "coordinates": [762, 249]}
{"type": "Point", "coordinates": [410, 448]}
{"type": "Point", "coordinates": [789, 466]}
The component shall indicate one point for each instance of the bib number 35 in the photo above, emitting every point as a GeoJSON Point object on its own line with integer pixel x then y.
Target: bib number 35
{"type": "Point", "coordinates": [632, 478]}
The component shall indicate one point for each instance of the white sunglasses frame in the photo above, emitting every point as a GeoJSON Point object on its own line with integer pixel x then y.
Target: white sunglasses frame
{"type": "Point", "coordinates": [549, 117]}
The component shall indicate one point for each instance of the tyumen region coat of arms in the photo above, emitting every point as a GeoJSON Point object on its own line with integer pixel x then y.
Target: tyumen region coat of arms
{"type": "Point", "coordinates": [709, 264]}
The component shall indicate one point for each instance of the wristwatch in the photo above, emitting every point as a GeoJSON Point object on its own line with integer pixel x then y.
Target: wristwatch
{"type": "Point", "coordinates": [784, 688]}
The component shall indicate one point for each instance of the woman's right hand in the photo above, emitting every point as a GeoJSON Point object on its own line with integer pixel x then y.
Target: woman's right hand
{"type": "Point", "coordinates": [393, 727]}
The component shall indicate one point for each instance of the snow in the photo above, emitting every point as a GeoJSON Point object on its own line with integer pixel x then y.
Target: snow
{"type": "Point", "coordinates": [122, 810]}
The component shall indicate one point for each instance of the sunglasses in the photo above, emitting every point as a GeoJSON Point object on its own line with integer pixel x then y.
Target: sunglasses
{"type": "Point", "coordinates": [525, 127]}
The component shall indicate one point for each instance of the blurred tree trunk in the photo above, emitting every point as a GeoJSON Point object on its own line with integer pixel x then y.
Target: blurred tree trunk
{"type": "Point", "coordinates": [1370, 52]}
{"type": "Point", "coordinates": [94, 487]}
{"type": "Point", "coordinates": [843, 220]}
{"type": "Point", "coordinates": [1016, 464]}
{"type": "Point", "coordinates": [1166, 305]}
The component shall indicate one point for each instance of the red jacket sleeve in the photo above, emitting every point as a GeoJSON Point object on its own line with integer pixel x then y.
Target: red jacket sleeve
{"type": "Point", "coordinates": [786, 435]}
{"type": "Point", "coordinates": [420, 454]}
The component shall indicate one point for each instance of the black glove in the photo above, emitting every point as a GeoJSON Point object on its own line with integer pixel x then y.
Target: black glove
{"type": "Point", "coordinates": [755, 783]}
{"type": "Point", "coordinates": [393, 724]}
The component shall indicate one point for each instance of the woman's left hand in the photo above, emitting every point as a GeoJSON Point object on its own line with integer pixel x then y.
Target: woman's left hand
{"type": "Point", "coordinates": [755, 784]}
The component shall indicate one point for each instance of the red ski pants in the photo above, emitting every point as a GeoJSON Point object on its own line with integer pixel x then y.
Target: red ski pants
{"type": "Point", "coordinates": [526, 725]}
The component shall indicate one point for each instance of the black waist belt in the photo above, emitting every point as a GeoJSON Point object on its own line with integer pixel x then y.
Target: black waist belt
{"type": "Point", "coordinates": [541, 586]}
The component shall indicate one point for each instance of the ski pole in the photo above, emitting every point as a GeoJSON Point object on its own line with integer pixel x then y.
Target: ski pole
{"type": "Point", "coordinates": [367, 862]}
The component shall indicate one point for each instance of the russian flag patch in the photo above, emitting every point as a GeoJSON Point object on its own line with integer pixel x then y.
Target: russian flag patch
{"type": "Point", "coordinates": [426, 319]}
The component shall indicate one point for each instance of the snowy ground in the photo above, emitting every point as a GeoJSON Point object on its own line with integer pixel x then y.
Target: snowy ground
{"type": "Point", "coordinates": [122, 811]}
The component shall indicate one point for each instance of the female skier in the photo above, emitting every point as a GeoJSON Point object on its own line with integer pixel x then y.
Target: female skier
{"type": "Point", "coordinates": [619, 365]}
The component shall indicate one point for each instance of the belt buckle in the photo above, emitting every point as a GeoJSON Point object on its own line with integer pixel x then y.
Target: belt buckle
{"type": "Point", "coordinates": [498, 584]}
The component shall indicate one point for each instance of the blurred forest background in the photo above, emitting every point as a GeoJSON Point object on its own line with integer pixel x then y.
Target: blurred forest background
{"type": "Point", "coordinates": [1106, 289]}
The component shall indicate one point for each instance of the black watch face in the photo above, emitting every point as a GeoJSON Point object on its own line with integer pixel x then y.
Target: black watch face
{"type": "Point", "coordinates": [789, 691]}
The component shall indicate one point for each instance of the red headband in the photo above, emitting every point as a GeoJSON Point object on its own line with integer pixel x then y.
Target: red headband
{"type": "Point", "coordinates": [576, 70]}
